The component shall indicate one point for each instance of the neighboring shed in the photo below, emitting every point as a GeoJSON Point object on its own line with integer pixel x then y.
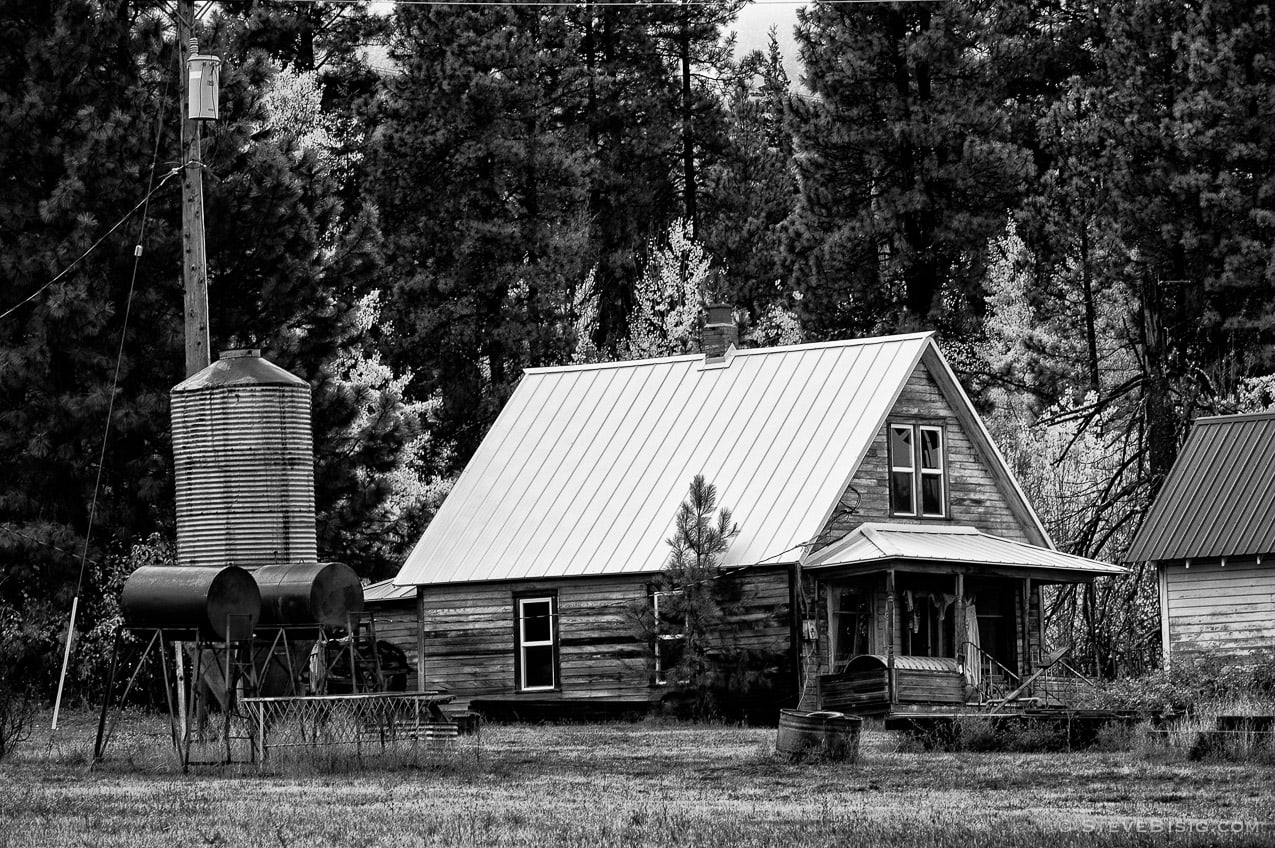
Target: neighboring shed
{"type": "Point", "coordinates": [531, 576]}
{"type": "Point", "coordinates": [391, 611]}
{"type": "Point", "coordinates": [1211, 534]}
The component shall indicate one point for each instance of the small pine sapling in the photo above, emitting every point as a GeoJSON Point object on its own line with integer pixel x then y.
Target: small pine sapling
{"type": "Point", "coordinates": [690, 620]}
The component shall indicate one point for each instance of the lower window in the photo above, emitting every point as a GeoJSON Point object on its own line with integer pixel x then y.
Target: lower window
{"type": "Point", "coordinates": [537, 643]}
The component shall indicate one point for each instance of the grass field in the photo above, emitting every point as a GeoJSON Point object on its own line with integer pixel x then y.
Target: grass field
{"type": "Point", "coordinates": [627, 785]}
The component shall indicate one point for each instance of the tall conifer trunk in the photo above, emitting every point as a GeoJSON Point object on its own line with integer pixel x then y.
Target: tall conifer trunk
{"type": "Point", "coordinates": [688, 127]}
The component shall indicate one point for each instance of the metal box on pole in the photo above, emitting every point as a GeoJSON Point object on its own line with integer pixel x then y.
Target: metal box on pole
{"type": "Point", "coordinates": [203, 83]}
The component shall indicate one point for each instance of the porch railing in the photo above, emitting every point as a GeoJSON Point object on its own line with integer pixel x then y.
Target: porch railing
{"type": "Point", "coordinates": [995, 681]}
{"type": "Point", "coordinates": [1056, 683]}
{"type": "Point", "coordinates": [1061, 684]}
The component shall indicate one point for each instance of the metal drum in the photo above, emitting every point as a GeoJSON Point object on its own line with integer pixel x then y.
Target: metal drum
{"type": "Point", "coordinates": [243, 461]}
{"type": "Point", "coordinates": [823, 735]}
{"type": "Point", "coordinates": [214, 602]}
{"type": "Point", "coordinates": [308, 593]}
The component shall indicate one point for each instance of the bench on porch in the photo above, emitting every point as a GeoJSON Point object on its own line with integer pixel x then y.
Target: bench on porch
{"type": "Point", "coordinates": [863, 687]}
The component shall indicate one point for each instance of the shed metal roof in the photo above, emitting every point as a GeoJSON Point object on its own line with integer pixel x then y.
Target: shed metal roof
{"type": "Point", "coordinates": [385, 592]}
{"type": "Point", "coordinates": [583, 470]}
{"type": "Point", "coordinates": [1219, 498]}
{"type": "Point", "coordinates": [872, 542]}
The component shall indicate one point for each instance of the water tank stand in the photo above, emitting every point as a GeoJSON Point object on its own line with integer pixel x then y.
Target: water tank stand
{"type": "Point", "coordinates": [157, 641]}
{"type": "Point", "coordinates": [221, 670]}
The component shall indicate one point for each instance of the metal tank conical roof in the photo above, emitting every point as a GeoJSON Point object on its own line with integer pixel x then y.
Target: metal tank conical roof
{"type": "Point", "coordinates": [242, 367]}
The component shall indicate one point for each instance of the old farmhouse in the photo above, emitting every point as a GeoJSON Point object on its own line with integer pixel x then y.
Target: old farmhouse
{"type": "Point", "coordinates": [887, 559]}
{"type": "Point", "coordinates": [1208, 532]}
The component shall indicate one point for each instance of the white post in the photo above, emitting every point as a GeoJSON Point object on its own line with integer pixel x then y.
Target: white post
{"type": "Point", "coordinates": [66, 661]}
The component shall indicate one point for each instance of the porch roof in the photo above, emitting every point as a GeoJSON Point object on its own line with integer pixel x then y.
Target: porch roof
{"type": "Point", "coordinates": [947, 544]}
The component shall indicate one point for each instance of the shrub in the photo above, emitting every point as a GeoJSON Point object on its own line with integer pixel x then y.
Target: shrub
{"type": "Point", "coordinates": [1192, 682]}
{"type": "Point", "coordinates": [19, 671]}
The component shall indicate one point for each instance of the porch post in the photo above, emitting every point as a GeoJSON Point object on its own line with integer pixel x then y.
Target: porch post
{"type": "Point", "coordinates": [420, 639]}
{"type": "Point", "coordinates": [1163, 578]}
{"type": "Point", "coordinates": [958, 626]}
{"type": "Point", "coordinates": [889, 632]}
{"type": "Point", "coordinates": [1025, 663]}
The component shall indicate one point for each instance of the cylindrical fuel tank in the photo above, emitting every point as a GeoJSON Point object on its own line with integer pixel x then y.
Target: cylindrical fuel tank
{"type": "Point", "coordinates": [243, 462]}
{"type": "Point", "coordinates": [215, 602]}
{"type": "Point", "coordinates": [301, 593]}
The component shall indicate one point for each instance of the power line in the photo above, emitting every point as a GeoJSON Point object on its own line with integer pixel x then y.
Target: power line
{"type": "Point", "coordinates": [91, 248]}
{"type": "Point", "coordinates": [37, 541]}
{"type": "Point", "coordinates": [110, 403]}
{"type": "Point", "coordinates": [594, 3]}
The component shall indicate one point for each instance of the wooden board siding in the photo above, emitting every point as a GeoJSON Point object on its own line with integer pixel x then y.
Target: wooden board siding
{"type": "Point", "coordinates": [470, 639]}
{"type": "Point", "coordinates": [974, 496]}
{"type": "Point", "coordinates": [1225, 612]}
{"type": "Point", "coordinates": [470, 644]}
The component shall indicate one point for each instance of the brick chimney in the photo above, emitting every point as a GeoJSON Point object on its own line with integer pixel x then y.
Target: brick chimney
{"type": "Point", "coordinates": [720, 333]}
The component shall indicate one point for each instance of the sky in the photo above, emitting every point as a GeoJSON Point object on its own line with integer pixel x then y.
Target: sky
{"type": "Point", "coordinates": [751, 28]}
{"type": "Point", "coordinates": [756, 19]}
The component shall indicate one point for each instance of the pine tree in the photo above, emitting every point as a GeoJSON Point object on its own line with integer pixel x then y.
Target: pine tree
{"type": "Point", "coordinates": [654, 81]}
{"type": "Point", "coordinates": [80, 108]}
{"type": "Point", "coordinates": [689, 580]}
{"type": "Point", "coordinates": [905, 168]}
{"type": "Point", "coordinates": [479, 175]}
{"type": "Point", "coordinates": [1183, 107]}
{"type": "Point", "coordinates": [750, 189]}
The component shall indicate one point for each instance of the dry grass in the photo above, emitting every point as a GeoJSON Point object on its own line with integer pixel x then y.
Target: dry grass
{"type": "Point", "coordinates": [628, 785]}
{"type": "Point", "coordinates": [1195, 735]}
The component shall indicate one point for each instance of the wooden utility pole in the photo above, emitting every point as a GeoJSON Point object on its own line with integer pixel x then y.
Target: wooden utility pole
{"type": "Point", "coordinates": [194, 262]}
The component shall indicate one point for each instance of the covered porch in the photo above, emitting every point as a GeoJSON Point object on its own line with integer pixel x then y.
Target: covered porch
{"type": "Point", "coordinates": [916, 618]}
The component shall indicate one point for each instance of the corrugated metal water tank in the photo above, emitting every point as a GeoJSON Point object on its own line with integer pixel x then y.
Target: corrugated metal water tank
{"type": "Point", "coordinates": [243, 459]}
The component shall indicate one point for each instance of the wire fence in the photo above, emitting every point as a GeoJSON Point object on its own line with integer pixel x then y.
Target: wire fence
{"type": "Point", "coordinates": [399, 722]}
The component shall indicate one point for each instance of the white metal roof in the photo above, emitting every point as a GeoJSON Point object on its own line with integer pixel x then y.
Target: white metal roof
{"type": "Point", "coordinates": [871, 542]}
{"type": "Point", "coordinates": [386, 592]}
{"type": "Point", "coordinates": [583, 470]}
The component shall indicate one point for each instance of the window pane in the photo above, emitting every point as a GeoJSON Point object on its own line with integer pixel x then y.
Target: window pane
{"type": "Point", "coordinates": [537, 626]}
{"type": "Point", "coordinates": [901, 491]}
{"type": "Point", "coordinates": [932, 494]}
{"type": "Point", "coordinates": [931, 449]}
{"type": "Point", "coordinates": [901, 447]}
{"type": "Point", "coordinates": [537, 666]}
{"type": "Point", "coordinates": [670, 613]}
{"type": "Point", "coordinates": [669, 654]}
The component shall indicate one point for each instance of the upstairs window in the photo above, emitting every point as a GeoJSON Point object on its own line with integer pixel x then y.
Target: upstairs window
{"type": "Point", "coordinates": [537, 653]}
{"type": "Point", "coordinates": [917, 470]}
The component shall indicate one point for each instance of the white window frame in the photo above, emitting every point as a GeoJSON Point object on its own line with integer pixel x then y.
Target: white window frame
{"type": "Point", "coordinates": [524, 643]}
{"type": "Point", "coordinates": [923, 472]}
{"type": "Point", "coordinates": [916, 470]}
{"type": "Point", "coordinates": [661, 673]}
{"type": "Point", "coordinates": [909, 469]}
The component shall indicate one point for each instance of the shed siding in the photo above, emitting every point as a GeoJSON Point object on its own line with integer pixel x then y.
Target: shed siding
{"type": "Point", "coordinates": [973, 494]}
{"type": "Point", "coordinates": [470, 645]}
{"type": "Point", "coordinates": [1226, 612]}
{"type": "Point", "coordinates": [396, 623]}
